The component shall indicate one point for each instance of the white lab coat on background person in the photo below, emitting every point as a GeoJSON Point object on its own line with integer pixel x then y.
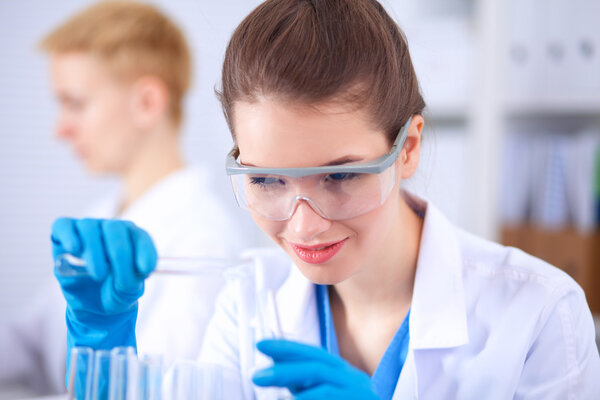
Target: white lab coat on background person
{"type": "Point", "coordinates": [486, 322]}
{"type": "Point", "coordinates": [184, 219]}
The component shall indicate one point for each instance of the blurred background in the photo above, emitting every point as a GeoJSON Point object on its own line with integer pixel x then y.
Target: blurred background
{"type": "Point", "coordinates": [510, 148]}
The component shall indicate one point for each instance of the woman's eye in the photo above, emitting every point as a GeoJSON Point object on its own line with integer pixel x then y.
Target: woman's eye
{"type": "Point", "coordinates": [266, 181]}
{"type": "Point", "coordinates": [76, 105]}
{"type": "Point", "coordinates": [340, 176]}
{"type": "Point", "coordinates": [73, 103]}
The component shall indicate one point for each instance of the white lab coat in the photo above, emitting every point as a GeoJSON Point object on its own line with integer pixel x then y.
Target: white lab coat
{"type": "Point", "coordinates": [486, 322]}
{"type": "Point", "coordinates": [185, 219]}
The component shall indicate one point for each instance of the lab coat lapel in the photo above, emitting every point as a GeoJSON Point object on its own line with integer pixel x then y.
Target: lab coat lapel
{"type": "Point", "coordinates": [438, 316]}
{"type": "Point", "coordinates": [105, 207]}
{"type": "Point", "coordinates": [154, 210]}
{"type": "Point", "coordinates": [297, 297]}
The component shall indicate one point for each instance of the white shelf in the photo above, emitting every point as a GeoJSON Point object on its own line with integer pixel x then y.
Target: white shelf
{"type": "Point", "coordinates": [545, 107]}
{"type": "Point", "coordinates": [460, 50]}
{"type": "Point", "coordinates": [447, 112]}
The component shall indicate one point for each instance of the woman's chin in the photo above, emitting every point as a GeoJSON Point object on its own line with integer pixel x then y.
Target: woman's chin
{"type": "Point", "coordinates": [330, 273]}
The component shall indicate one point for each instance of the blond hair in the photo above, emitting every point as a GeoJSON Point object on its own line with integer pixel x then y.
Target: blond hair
{"type": "Point", "coordinates": [134, 39]}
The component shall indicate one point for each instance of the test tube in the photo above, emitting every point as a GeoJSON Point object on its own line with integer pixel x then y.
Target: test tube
{"type": "Point", "coordinates": [69, 265]}
{"type": "Point", "coordinates": [123, 371]}
{"type": "Point", "coordinates": [268, 325]}
{"type": "Point", "coordinates": [149, 378]}
{"type": "Point", "coordinates": [80, 373]}
{"type": "Point", "coordinates": [101, 374]}
{"type": "Point", "coordinates": [122, 376]}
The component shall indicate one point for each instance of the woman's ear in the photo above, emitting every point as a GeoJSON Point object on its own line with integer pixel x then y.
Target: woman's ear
{"type": "Point", "coordinates": [411, 151]}
{"type": "Point", "coordinates": [150, 102]}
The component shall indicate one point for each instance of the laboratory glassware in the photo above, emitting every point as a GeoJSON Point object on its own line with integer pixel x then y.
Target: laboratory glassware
{"type": "Point", "coordinates": [69, 265]}
{"type": "Point", "coordinates": [122, 375]}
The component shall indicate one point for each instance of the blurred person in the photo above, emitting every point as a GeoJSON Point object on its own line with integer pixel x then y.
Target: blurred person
{"type": "Point", "coordinates": [120, 71]}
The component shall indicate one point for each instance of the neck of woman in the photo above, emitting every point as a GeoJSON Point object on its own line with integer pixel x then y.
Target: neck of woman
{"type": "Point", "coordinates": [369, 307]}
{"type": "Point", "coordinates": [386, 285]}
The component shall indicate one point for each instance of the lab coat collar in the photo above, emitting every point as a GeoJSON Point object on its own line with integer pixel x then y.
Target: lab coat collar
{"type": "Point", "coordinates": [158, 210]}
{"type": "Point", "coordinates": [106, 206]}
{"type": "Point", "coordinates": [157, 203]}
{"type": "Point", "coordinates": [438, 317]}
{"type": "Point", "coordinates": [158, 200]}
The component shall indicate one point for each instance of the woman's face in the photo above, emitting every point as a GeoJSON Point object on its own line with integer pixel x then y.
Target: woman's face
{"type": "Point", "coordinates": [277, 135]}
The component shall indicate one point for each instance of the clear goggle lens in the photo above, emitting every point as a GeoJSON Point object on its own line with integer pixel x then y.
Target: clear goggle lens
{"type": "Point", "coordinates": [334, 196]}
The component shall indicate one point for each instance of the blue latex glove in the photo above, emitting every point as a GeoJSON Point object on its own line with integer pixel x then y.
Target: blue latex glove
{"type": "Point", "coordinates": [102, 307]}
{"type": "Point", "coordinates": [311, 373]}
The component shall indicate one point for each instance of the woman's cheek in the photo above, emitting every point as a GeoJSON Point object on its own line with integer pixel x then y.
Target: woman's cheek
{"type": "Point", "coordinates": [271, 228]}
{"type": "Point", "coordinates": [373, 228]}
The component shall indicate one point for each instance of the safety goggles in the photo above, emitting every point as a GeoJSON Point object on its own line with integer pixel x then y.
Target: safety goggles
{"type": "Point", "coordinates": [334, 192]}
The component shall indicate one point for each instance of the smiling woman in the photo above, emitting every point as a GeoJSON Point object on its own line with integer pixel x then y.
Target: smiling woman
{"type": "Point", "coordinates": [380, 296]}
{"type": "Point", "coordinates": [316, 93]}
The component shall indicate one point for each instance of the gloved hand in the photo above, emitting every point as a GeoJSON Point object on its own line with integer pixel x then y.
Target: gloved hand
{"type": "Point", "coordinates": [311, 373]}
{"type": "Point", "coordinates": [102, 307]}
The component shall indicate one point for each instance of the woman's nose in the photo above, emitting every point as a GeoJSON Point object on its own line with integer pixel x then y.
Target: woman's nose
{"type": "Point", "coordinates": [305, 223]}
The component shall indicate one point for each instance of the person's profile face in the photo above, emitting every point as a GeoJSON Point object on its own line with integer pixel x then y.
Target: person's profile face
{"type": "Point", "coordinates": [94, 112]}
{"type": "Point", "coordinates": [273, 134]}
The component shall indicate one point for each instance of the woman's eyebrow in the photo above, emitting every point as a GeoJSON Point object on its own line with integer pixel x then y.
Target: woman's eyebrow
{"type": "Point", "coordinates": [337, 161]}
{"type": "Point", "coordinates": [343, 160]}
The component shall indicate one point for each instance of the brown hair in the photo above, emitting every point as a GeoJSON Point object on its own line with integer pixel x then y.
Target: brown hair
{"type": "Point", "coordinates": [134, 39]}
{"type": "Point", "coordinates": [315, 51]}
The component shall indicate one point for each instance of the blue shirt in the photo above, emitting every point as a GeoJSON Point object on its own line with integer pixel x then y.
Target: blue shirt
{"type": "Point", "coordinates": [388, 371]}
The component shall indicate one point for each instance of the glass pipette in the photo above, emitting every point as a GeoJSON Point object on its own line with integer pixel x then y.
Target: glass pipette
{"type": "Point", "coordinates": [69, 265]}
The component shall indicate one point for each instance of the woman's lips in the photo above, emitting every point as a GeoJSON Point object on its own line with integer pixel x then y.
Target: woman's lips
{"type": "Point", "coordinates": [317, 254]}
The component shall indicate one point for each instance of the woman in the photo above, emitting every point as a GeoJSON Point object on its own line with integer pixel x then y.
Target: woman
{"type": "Point", "coordinates": [389, 299]}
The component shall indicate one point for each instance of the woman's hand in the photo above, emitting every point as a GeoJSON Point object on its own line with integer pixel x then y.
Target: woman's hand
{"type": "Point", "coordinates": [311, 373]}
{"type": "Point", "coordinates": [102, 304]}
{"type": "Point", "coordinates": [118, 257]}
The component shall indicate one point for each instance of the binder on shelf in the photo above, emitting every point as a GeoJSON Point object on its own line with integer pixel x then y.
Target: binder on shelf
{"type": "Point", "coordinates": [585, 42]}
{"type": "Point", "coordinates": [550, 206]}
{"type": "Point", "coordinates": [516, 173]}
{"type": "Point", "coordinates": [553, 56]}
{"type": "Point", "coordinates": [581, 163]}
{"type": "Point", "coordinates": [549, 179]}
{"type": "Point", "coordinates": [524, 55]}
{"type": "Point", "coordinates": [442, 54]}
{"type": "Point", "coordinates": [558, 53]}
